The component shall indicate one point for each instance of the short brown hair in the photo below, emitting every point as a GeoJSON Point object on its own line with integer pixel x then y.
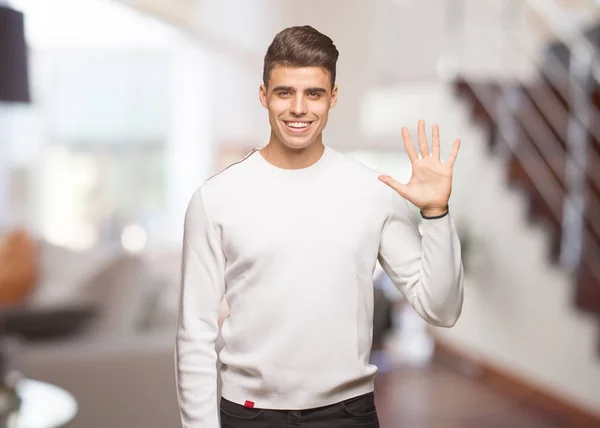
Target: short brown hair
{"type": "Point", "coordinates": [301, 47]}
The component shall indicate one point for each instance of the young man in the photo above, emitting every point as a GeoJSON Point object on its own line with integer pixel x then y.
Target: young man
{"type": "Point", "coordinates": [291, 235]}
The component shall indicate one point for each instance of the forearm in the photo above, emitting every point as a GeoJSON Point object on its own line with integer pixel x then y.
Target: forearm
{"type": "Point", "coordinates": [196, 372]}
{"type": "Point", "coordinates": [438, 293]}
{"type": "Point", "coordinates": [425, 267]}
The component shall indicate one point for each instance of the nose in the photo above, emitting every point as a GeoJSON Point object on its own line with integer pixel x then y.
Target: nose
{"type": "Point", "coordinates": [298, 107]}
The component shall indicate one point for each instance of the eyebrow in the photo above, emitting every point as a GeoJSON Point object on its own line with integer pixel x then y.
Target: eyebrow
{"type": "Point", "coordinates": [282, 88]}
{"type": "Point", "coordinates": [290, 89]}
{"type": "Point", "coordinates": [319, 90]}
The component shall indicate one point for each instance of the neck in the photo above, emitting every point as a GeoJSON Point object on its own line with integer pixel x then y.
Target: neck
{"type": "Point", "coordinates": [280, 155]}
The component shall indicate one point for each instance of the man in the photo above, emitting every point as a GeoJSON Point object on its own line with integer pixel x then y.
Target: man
{"type": "Point", "coordinates": [291, 235]}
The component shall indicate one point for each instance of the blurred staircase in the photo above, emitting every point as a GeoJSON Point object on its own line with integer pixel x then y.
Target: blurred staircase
{"type": "Point", "coordinates": [549, 128]}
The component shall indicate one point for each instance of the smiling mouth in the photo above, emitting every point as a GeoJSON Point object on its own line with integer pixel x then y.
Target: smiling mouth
{"type": "Point", "coordinates": [297, 125]}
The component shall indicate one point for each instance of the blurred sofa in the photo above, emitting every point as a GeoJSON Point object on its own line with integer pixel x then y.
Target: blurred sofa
{"type": "Point", "coordinates": [119, 362]}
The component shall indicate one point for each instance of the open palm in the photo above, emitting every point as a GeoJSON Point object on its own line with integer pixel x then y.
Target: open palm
{"type": "Point", "coordinates": [430, 185]}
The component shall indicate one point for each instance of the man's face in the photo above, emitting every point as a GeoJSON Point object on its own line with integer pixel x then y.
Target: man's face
{"type": "Point", "coordinates": [298, 100]}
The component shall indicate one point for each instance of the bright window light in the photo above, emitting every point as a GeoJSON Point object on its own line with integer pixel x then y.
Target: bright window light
{"type": "Point", "coordinates": [89, 24]}
{"type": "Point", "coordinates": [134, 238]}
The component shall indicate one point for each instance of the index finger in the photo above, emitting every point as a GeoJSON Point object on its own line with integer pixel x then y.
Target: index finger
{"type": "Point", "coordinates": [452, 157]}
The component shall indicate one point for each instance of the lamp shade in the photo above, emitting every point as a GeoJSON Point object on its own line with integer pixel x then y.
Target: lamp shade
{"type": "Point", "coordinates": [14, 75]}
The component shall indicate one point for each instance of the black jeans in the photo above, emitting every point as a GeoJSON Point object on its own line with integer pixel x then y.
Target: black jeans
{"type": "Point", "coordinates": [354, 412]}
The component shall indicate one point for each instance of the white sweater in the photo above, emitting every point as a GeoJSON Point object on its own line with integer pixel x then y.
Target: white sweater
{"type": "Point", "coordinates": [293, 251]}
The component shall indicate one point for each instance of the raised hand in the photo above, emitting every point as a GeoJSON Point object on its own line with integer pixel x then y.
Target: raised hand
{"type": "Point", "coordinates": [430, 185]}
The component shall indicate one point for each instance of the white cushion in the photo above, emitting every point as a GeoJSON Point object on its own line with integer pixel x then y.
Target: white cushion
{"type": "Point", "coordinates": [64, 272]}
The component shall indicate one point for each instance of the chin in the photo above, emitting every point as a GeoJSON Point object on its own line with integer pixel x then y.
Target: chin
{"type": "Point", "coordinates": [298, 145]}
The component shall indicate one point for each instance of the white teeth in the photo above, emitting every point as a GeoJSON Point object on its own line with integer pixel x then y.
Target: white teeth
{"type": "Point", "coordinates": [297, 124]}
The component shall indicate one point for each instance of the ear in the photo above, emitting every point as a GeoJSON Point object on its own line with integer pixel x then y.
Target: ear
{"type": "Point", "coordinates": [334, 97]}
{"type": "Point", "coordinates": [262, 95]}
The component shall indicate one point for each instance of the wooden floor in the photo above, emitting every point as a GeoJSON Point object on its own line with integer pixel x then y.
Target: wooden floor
{"type": "Point", "coordinates": [438, 397]}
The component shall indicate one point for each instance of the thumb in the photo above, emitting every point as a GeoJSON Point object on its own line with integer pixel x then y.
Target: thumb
{"type": "Point", "coordinates": [398, 187]}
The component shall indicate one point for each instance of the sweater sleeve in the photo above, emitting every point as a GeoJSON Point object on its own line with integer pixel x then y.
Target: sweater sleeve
{"type": "Point", "coordinates": [426, 269]}
{"type": "Point", "coordinates": [201, 291]}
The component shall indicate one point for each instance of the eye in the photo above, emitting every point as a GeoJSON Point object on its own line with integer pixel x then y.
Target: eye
{"type": "Point", "coordinates": [283, 93]}
{"type": "Point", "coordinates": [314, 94]}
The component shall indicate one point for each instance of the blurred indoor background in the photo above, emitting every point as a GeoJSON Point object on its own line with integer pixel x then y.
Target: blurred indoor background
{"type": "Point", "coordinates": [112, 112]}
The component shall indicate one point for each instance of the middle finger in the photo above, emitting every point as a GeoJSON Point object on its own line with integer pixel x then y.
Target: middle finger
{"type": "Point", "coordinates": [423, 139]}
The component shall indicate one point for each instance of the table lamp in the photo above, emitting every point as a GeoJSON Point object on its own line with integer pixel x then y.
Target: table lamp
{"type": "Point", "coordinates": [14, 74]}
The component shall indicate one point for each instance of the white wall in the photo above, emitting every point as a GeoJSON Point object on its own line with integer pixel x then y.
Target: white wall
{"type": "Point", "coordinates": [191, 137]}
{"type": "Point", "coordinates": [518, 312]}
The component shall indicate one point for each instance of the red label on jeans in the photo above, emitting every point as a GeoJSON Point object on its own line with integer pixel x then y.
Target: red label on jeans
{"type": "Point", "coordinates": [249, 404]}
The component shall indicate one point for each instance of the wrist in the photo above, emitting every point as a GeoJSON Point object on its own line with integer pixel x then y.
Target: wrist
{"type": "Point", "coordinates": [434, 212]}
